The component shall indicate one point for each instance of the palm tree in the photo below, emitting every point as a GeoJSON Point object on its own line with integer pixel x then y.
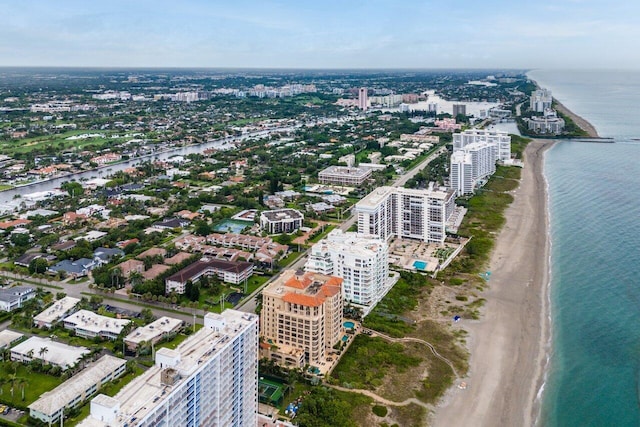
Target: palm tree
{"type": "Point", "coordinates": [22, 382]}
{"type": "Point", "coordinates": [43, 351]}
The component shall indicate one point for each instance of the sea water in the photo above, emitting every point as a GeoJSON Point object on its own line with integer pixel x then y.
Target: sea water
{"type": "Point", "coordinates": [593, 376]}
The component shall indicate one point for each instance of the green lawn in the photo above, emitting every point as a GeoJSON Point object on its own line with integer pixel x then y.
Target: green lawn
{"type": "Point", "coordinates": [38, 383]}
{"type": "Point", "coordinates": [58, 141]}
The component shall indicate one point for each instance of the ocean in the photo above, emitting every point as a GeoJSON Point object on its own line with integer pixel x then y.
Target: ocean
{"type": "Point", "coordinates": [593, 376]}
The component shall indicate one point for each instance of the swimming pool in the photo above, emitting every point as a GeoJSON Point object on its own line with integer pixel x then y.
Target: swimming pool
{"type": "Point", "coordinates": [345, 338]}
{"type": "Point", "coordinates": [349, 325]}
{"type": "Point", "coordinates": [420, 265]}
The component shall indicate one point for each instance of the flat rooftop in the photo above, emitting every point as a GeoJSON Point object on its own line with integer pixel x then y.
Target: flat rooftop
{"type": "Point", "coordinates": [51, 401]}
{"type": "Point", "coordinates": [57, 310]}
{"type": "Point", "coordinates": [90, 321]}
{"type": "Point", "coordinates": [374, 198]}
{"type": "Point", "coordinates": [146, 392]}
{"type": "Point", "coordinates": [7, 337]}
{"type": "Point", "coordinates": [57, 353]}
{"type": "Point", "coordinates": [354, 171]}
{"type": "Point", "coordinates": [153, 330]}
{"type": "Point", "coordinates": [280, 214]}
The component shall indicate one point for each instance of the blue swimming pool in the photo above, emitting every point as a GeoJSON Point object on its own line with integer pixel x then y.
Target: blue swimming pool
{"type": "Point", "coordinates": [420, 265]}
{"type": "Point", "coordinates": [349, 325]}
{"type": "Point", "coordinates": [345, 338]}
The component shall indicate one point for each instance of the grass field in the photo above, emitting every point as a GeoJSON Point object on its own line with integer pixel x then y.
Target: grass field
{"type": "Point", "coordinates": [59, 142]}
{"type": "Point", "coordinates": [38, 383]}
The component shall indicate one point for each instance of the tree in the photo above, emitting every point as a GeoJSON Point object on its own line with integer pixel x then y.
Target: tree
{"type": "Point", "coordinates": [202, 228]}
{"type": "Point", "coordinates": [147, 315]}
{"type": "Point", "coordinates": [74, 189]}
{"type": "Point", "coordinates": [60, 295]}
{"type": "Point", "coordinates": [38, 265]}
{"type": "Point", "coordinates": [43, 351]}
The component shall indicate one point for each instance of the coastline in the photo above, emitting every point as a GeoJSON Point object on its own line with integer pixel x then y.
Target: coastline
{"type": "Point", "coordinates": [581, 122]}
{"type": "Point", "coordinates": [509, 344]}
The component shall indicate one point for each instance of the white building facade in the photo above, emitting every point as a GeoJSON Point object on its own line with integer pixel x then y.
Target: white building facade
{"type": "Point", "coordinates": [500, 140]}
{"type": "Point", "coordinates": [362, 261]}
{"type": "Point", "coordinates": [540, 100]}
{"type": "Point", "coordinates": [406, 213]}
{"type": "Point", "coordinates": [474, 162]}
{"type": "Point", "coordinates": [211, 379]}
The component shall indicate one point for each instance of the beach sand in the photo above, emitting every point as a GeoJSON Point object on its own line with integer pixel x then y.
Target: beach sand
{"type": "Point", "coordinates": [582, 123]}
{"type": "Point", "coordinates": [508, 344]}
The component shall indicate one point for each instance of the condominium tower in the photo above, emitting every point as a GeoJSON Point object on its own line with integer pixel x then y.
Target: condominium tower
{"type": "Point", "coordinates": [406, 213]}
{"type": "Point", "coordinates": [500, 140]}
{"type": "Point", "coordinates": [301, 317]}
{"type": "Point", "coordinates": [363, 100]}
{"type": "Point", "coordinates": [361, 261]}
{"type": "Point", "coordinates": [469, 165]}
{"type": "Point", "coordinates": [211, 379]}
{"type": "Point", "coordinates": [540, 100]}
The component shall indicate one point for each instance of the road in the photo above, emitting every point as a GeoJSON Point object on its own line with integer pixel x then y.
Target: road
{"type": "Point", "coordinates": [81, 290]}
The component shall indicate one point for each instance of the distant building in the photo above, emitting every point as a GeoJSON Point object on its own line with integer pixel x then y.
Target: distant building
{"type": "Point", "coordinates": [361, 261]}
{"type": "Point", "coordinates": [363, 101]}
{"type": "Point", "coordinates": [281, 221]}
{"type": "Point", "coordinates": [301, 317]}
{"type": "Point", "coordinates": [405, 213]}
{"type": "Point", "coordinates": [227, 271]}
{"type": "Point", "coordinates": [211, 379]}
{"type": "Point", "coordinates": [500, 140]}
{"type": "Point", "coordinates": [540, 100]}
{"type": "Point", "coordinates": [345, 176]}
{"type": "Point", "coordinates": [13, 298]}
{"type": "Point", "coordinates": [459, 109]}
{"type": "Point", "coordinates": [550, 123]}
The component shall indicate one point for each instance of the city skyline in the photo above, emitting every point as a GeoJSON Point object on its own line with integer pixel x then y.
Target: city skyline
{"type": "Point", "coordinates": [283, 34]}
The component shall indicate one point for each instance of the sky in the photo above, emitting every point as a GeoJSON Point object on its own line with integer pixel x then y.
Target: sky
{"type": "Point", "coordinates": [520, 34]}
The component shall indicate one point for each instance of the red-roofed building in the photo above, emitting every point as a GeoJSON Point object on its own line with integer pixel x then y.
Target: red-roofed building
{"type": "Point", "coordinates": [14, 223]}
{"type": "Point", "coordinates": [302, 315]}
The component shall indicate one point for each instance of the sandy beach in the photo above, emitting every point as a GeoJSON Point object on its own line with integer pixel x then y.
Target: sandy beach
{"type": "Point", "coordinates": [508, 344]}
{"type": "Point", "coordinates": [582, 123]}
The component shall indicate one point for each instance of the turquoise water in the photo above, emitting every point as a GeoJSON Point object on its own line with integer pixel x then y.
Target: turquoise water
{"type": "Point", "coordinates": [349, 325]}
{"type": "Point", "coordinates": [594, 191]}
{"type": "Point", "coordinates": [420, 265]}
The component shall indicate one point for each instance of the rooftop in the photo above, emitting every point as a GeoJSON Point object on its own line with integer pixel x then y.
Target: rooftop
{"type": "Point", "coordinates": [57, 310]}
{"type": "Point", "coordinates": [51, 401]}
{"type": "Point", "coordinates": [57, 353]}
{"type": "Point", "coordinates": [7, 337]}
{"type": "Point", "coordinates": [90, 321]}
{"type": "Point", "coordinates": [280, 214]}
{"type": "Point", "coordinates": [159, 327]}
{"type": "Point", "coordinates": [14, 293]}
{"type": "Point", "coordinates": [197, 267]}
{"type": "Point", "coordinates": [146, 392]}
{"type": "Point", "coordinates": [354, 171]}
{"type": "Point", "coordinates": [307, 289]}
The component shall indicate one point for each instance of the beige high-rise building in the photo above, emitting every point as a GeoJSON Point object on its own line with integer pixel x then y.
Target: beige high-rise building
{"type": "Point", "coordinates": [301, 317]}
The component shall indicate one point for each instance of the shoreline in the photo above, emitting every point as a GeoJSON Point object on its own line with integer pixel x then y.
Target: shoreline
{"type": "Point", "coordinates": [509, 345]}
{"type": "Point", "coordinates": [581, 122]}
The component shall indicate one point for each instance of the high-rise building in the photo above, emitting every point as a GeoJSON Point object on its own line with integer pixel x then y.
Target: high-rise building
{"type": "Point", "coordinates": [211, 379]}
{"type": "Point", "coordinates": [500, 140]}
{"type": "Point", "coordinates": [361, 261]}
{"type": "Point", "coordinates": [540, 100]}
{"type": "Point", "coordinates": [469, 165]}
{"type": "Point", "coordinates": [301, 317]}
{"type": "Point", "coordinates": [461, 173]}
{"type": "Point", "coordinates": [459, 109]}
{"type": "Point", "coordinates": [363, 100]}
{"type": "Point", "coordinates": [406, 213]}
